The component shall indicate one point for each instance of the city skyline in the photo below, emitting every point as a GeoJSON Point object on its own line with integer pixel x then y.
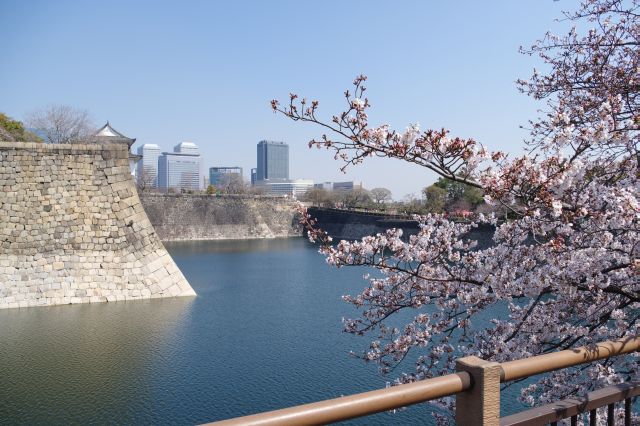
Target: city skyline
{"type": "Point", "coordinates": [506, 292]}
{"type": "Point", "coordinates": [152, 170]}
{"type": "Point", "coordinates": [209, 90]}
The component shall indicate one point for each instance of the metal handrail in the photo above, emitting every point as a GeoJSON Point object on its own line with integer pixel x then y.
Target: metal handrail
{"type": "Point", "coordinates": [573, 407]}
{"type": "Point", "coordinates": [372, 402]}
{"type": "Point", "coordinates": [526, 367]}
{"type": "Point", "coordinates": [358, 405]}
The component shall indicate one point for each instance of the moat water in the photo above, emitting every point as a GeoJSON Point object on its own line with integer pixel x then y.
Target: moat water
{"type": "Point", "coordinates": [263, 333]}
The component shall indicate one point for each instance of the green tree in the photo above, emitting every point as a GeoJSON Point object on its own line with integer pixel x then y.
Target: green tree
{"type": "Point", "coordinates": [473, 195]}
{"type": "Point", "coordinates": [14, 131]}
{"type": "Point", "coordinates": [435, 198]}
{"type": "Point", "coordinates": [455, 193]}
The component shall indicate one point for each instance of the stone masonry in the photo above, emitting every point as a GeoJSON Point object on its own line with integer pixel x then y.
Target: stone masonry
{"type": "Point", "coordinates": [73, 230]}
{"type": "Point", "coordinates": [206, 217]}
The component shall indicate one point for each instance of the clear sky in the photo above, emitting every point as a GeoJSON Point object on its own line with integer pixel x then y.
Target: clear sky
{"type": "Point", "coordinates": [166, 72]}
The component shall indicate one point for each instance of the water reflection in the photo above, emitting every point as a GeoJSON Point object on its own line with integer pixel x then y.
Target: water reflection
{"type": "Point", "coordinates": [73, 364]}
{"type": "Point", "coordinates": [263, 333]}
{"type": "Point", "coordinates": [232, 246]}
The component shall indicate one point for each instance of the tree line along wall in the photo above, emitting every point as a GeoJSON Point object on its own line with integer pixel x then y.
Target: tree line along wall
{"type": "Point", "coordinates": [178, 217]}
{"type": "Point", "coordinates": [73, 230]}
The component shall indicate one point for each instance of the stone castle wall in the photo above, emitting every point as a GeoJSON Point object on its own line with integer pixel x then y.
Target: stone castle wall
{"type": "Point", "coordinates": [353, 225]}
{"type": "Point", "coordinates": [178, 217]}
{"type": "Point", "coordinates": [73, 230]}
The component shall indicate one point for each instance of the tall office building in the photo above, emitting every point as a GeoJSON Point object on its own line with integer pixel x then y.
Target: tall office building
{"type": "Point", "coordinates": [148, 166]}
{"type": "Point", "coordinates": [180, 169]}
{"type": "Point", "coordinates": [273, 161]}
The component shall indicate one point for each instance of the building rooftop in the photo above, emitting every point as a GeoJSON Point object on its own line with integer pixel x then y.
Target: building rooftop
{"type": "Point", "coordinates": [186, 147]}
{"type": "Point", "coordinates": [266, 142]}
{"type": "Point", "coordinates": [184, 154]}
{"type": "Point", "coordinates": [107, 134]}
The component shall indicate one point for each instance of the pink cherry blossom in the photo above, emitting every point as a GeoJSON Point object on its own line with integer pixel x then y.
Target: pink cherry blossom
{"type": "Point", "coordinates": [563, 270]}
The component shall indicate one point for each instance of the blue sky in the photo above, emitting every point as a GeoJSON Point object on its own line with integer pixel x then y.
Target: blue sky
{"type": "Point", "coordinates": [166, 72]}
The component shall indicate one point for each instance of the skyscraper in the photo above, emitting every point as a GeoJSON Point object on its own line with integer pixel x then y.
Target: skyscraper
{"type": "Point", "coordinates": [148, 166]}
{"type": "Point", "coordinates": [180, 169]}
{"type": "Point", "coordinates": [273, 161]}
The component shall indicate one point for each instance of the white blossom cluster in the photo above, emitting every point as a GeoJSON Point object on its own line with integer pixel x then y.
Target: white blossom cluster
{"type": "Point", "coordinates": [564, 266]}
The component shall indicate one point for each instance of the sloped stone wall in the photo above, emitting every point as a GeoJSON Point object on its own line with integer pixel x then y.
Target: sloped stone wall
{"type": "Point", "coordinates": [178, 217]}
{"type": "Point", "coordinates": [73, 230]}
{"type": "Point", "coordinates": [353, 225]}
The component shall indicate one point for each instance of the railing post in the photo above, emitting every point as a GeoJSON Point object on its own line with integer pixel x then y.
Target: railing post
{"type": "Point", "coordinates": [480, 405]}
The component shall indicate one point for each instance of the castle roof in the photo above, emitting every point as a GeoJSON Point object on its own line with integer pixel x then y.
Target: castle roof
{"type": "Point", "coordinates": [107, 134]}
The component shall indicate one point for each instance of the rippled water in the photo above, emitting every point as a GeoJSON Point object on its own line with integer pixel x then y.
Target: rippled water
{"type": "Point", "coordinates": [263, 333]}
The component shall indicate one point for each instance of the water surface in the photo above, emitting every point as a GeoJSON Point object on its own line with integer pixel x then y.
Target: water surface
{"type": "Point", "coordinates": [263, 333]}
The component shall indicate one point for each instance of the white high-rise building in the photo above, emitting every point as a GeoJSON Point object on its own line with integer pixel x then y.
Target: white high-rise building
{"type": "Point", "coordinates": [180, 169]}
{"type": "Point", "coordinates": [148, 166]}
{"type": "Point", "coordinates": [186, 148]}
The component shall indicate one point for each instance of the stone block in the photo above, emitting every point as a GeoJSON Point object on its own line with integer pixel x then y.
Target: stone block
{"type": "Point", "coordinates": [63, 240]}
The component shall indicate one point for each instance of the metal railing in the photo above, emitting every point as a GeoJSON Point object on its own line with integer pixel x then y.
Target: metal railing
{"type": "Point", "coordinates": [477, 389]}
{"type": "Point", "coordinates": [573, 407]}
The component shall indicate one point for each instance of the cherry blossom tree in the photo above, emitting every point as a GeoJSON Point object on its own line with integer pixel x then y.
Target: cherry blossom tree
{"type": "Point", "coordinates": [563, 270]}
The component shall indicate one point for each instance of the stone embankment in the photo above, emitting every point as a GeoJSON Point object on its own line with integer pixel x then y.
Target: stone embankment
{"type": "Point", "coordinates": [177, 217]}
{"type": "Point", "coordinates": [73, 230]}
{"type": "Point", "coordinates": [353, 225]}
